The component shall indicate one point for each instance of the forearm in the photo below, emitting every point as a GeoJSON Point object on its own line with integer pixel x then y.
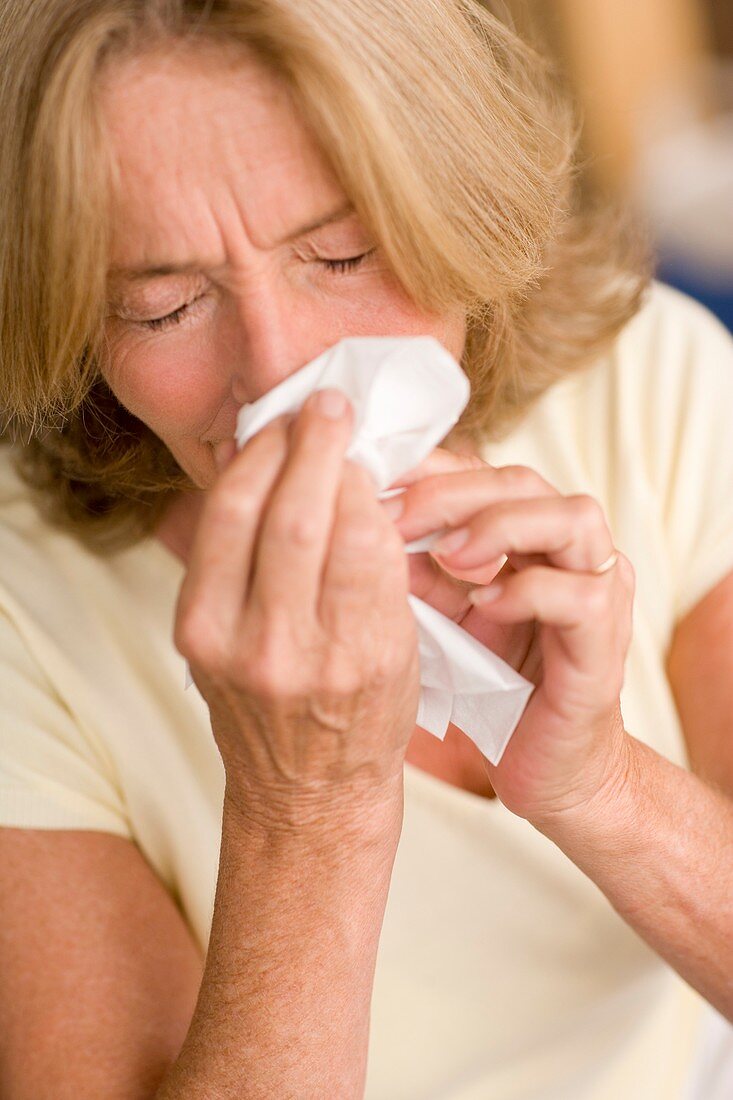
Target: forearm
{"type": "Point", "coordinates": [661, 850]}
{"type": "Point", "coordinates": [285, 998]}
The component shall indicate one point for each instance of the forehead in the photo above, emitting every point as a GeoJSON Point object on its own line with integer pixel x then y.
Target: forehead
{"type": "Point", "coordinates": [208, 147]}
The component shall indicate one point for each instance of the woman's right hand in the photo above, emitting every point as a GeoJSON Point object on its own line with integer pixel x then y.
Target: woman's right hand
{"type": "Point", "coordinates": [294, 619]}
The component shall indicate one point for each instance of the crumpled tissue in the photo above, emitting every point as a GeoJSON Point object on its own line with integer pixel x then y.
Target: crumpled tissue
{"type": "Point", "coordinates": [407, 392]}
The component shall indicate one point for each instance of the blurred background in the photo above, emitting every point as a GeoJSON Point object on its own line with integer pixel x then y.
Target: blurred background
{"type": "Point", "coordinates": [654, 82]}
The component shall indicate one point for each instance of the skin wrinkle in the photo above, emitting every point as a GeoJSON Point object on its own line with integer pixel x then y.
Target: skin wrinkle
{"type": "Point", "coordinates": [162, 269]}
{"type": "Point", "coordinates": [271, 310]}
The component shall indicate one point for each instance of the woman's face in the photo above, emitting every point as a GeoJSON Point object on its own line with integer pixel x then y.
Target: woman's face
{"type": "Point", "coordinates": [218, 289]}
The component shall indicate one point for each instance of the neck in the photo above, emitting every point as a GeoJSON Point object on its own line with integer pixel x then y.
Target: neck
{"type": "Point", "coordinates": [178, 526]}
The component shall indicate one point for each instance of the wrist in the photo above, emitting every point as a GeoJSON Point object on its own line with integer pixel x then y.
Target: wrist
{"type": "Point", "coordinates": [316, 815]}
{"type": "Point", "coordinates": [607, 817]}
{"type": "Point", "coordinates": [317, 866]}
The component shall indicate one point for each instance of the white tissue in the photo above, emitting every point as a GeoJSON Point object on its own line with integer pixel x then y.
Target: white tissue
{"type": "Point", "coordinates": [407, 393]}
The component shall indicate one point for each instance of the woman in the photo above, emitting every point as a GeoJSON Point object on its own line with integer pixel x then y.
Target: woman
{"type": "Point", "coordinates": [204, 894]}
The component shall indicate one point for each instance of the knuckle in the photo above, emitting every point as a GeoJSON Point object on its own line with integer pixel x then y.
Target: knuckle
{"type": "Point", "coordinates": [382, 672]}
{"type": "Point", "coordinates": [264, 669]}
{"type": "Point", "coordinates": [184, 638]}
{"type": "Point", "coordinates": [595, 598]}
{"type": "Point", "coordinates": [520, 478]}
{"type": "Point", "coordinates": [262, 677]}
{"type": "Point", "coordinates": [474, 462]}
{"type": "Point", "coordinates": [295, 527]}
{"type": "Point", "coordinates": [588, 510]}
{"type": "Point", "coordinates": [198, 639]}
{"type": "Point", "coordinates": [233, 503]}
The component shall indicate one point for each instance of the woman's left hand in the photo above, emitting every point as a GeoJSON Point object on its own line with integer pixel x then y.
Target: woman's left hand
{"type": "Point", "coordinates": [563, 628]}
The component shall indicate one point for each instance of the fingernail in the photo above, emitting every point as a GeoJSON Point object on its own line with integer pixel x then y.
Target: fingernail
{"type": "Point", "coordinates": [224, 452]}
{"type": "Point", "coordinates": [487, 594]}
{"type": "Point", "coordinates": [331, 403]}
{"type": "Point", "coordinates": [394, 507]}
{"type": "Point", "coordinates": [448, 543]}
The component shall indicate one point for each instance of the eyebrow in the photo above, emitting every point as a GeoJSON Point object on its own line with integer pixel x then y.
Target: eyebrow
{"type": "Point", "coordinates": [189, 267]}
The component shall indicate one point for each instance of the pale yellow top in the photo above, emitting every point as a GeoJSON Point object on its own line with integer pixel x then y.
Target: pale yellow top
{"type": "Point", "coordinates": [503, 972]}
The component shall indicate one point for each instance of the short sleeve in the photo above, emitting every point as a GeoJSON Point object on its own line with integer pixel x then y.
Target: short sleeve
{"type": "Point", "coordinates": [692, 418]}
{"type": "Point", "coordinates": [49, 775]}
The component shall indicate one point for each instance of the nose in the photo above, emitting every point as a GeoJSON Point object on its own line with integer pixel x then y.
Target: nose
{"type": "Point", "coordinates": [271, 337]}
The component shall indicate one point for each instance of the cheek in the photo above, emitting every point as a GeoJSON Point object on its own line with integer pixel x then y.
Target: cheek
{"type": "Point", "coordinates": [450, 331]}
{"type": "Point", "coordinates": [397, 315]}
{"type": "Point", "coordinates": [171, 385]}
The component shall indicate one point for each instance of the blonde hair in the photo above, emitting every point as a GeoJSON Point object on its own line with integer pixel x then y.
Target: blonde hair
{"type": "Point", "coordinates": [453, 139]}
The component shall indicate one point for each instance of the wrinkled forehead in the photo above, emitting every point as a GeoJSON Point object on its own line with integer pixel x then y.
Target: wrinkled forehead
{"type": "Point", "coordinates": [205, 139]}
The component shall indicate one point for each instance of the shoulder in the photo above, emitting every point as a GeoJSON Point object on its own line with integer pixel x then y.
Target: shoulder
{"type": "Point", "coordinates": [665, 305]}
{"type": "Point", "coordinates": [673, 353]}
{"type": "Point", "coordinates": [663, 393]}
{"type": "Point", "coordinates": [61, 597]}
{"type": "Point", "coordinates": [675, 337]}
{"type": "Point", "coordinates": [675, 369]}
{"type": "Point", "coordinates": [679, 357]}
{"type": "Point", "coordinates": [32, 552]}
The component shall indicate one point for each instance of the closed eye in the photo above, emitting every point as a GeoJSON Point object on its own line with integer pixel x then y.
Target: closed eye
{"type": "Point", "coordinates": [346, 265]}
{"type": "Point", "coordinates": [177, 315]}
{"type": "Point", "coordinates": [173, 318]}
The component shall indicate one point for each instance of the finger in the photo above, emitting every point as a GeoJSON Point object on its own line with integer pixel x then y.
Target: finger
{"type": "Point", "coordinates": [296, 527]}
{"type": "Point", "coordinates": [451, 597]}
{"type": "Point", "coordinates": [429, 582]}
{"type": "Point", "coordinates": [452, 499]}
{"type": "Point", "coordinates": [592, 614]}
{"type": "Point", "coordinates": [439, 461]}
{"type": "Point", "coordinates": [214, 589]}
{"type": "Point", "coordinates": [446, 591]}
{"type": "Point", "coordinates": [571, 532]}
{"type": "Point", "coordinates": [365, 577]}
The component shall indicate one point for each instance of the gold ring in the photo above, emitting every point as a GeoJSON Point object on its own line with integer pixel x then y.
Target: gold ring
{"type": "Point", "coordinates": [604, 566]}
